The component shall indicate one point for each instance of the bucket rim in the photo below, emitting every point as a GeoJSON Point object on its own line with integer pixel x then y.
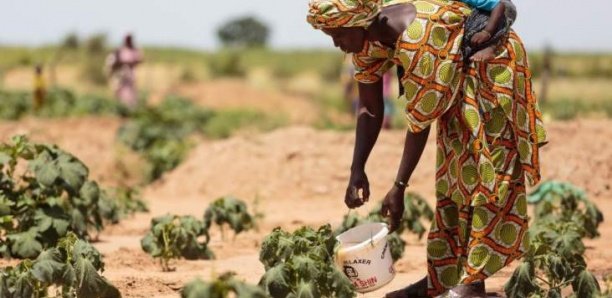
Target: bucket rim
{"type": "Point", "coordinates": [384, 231]}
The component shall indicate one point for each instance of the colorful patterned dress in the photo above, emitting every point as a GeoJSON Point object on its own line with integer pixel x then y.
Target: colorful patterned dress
{"type": "Point", "coordinates": [489, 131]}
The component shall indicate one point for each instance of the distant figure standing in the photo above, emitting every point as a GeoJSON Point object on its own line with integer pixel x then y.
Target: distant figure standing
{"type": "Point", "coordinates": [388, 100]}
{"type": "Point", "coordinates": [121, 65]}
{"type": "Point", "coordinates": [349, 84]}
{"type": "Point", "coordinates": [40, 88]}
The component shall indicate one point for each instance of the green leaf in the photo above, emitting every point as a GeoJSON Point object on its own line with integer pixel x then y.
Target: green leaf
{"type": "Point", "coordinates": [197, 289]}
{"type": "Point", "coordinates": [554, 293]}
{"type": "Point", "coordinates": [276, 281]}
{"type": "Point", "coordinates": [53, 217]}
{"type": "Point", "coordinates": [72, 171]}
{"type": "Point", "coordinates": [586, 285]}
{"type": "Point", "coordinates": [522, 283]}
{"type": "Point", "coordinates": [4, 158]}
{"type": "Point", "coordinates": [5, 206]}
{"type": "Point", "coordinates": [68, 277]}
{"type": "Point", "coordinates": [89, 193]}
{"type": "Point", "coordinates": [221, 287]}
{"type": "Point", "coordinates": [397, 246]}
{"type": "Point", "coordinates": [305, 267]}
{"type": "Point", "coordinates": [23, 285]}
{"type": "Point", "coordinates": [48, 267]}
{"type": "Point", "coordinates": [557, 267]}
{"type": "Point", "coordinates": [90, 284]}
{"type": "Point", "coordinates": [25, 245]}
{"type": "Point", "coordinates": [45, 169]}
{"type": "Point", "coordinates": [340, 285]}
{"type": "Point", "coordinates": [306, 290]}
{"type": "Point", "coordinates": [248, 291]}
{"type": "Point", "coordinates": [149, 245]}
{"type": "Point", "coordinates": [84, 250]}
{"type": "Point", "coordinates": [569, 243]}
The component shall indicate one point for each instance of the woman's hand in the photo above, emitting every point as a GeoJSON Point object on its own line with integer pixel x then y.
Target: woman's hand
{"type": "Point", "coordinates": [480, 38]}
{"type": "Point", "coordinates": [358, 183]}
{"type": "Point", "coordinates": [393, 207]}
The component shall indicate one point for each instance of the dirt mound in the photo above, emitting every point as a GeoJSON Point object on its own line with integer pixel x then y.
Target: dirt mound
{"type": "Point", "coordinates": [302, 164]}
{"type": "Point", "coordinates": [579, 152]}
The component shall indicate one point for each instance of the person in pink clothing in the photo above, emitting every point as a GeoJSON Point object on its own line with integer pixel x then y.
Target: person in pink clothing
{"type": "Point", "coordinates": [121, 64]}
{"type": "Point", "coordinates": [388, 100]}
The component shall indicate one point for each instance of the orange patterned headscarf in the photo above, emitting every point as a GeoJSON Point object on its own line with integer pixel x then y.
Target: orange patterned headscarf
{"type": "Point", "coordinates": [342, 13]}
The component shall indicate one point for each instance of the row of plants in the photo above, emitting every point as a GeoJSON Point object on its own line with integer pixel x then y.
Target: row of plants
{"type": "Point", "coordinates": [175, 237]}
{"type": "Point", "coordinates": [49, 209]}
{"type": "Point", "coordinates": [45, 193]}
{"type": "Point", "coordinates": [59, 102]}
{"type": "Point", "coordinates": [568, 109]}
{"type": "Point", "coordinates": [298, 264]}
{"type": "Point", "coordinates": [555, 262]}
{"type": "Point", "coordinates": [161, 133]}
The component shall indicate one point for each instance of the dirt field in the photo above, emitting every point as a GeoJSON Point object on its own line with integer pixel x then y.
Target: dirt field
{"type": "Point", "coordinates": [299, 175]}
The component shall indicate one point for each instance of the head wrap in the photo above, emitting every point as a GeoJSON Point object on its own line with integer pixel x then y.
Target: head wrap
{"type": "Point", "coordinates": [342, 13]}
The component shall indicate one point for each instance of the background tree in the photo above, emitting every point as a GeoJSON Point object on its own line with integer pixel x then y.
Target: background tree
{"type": "Point", "coordinates": [71, 41]}
{"type": "Point", "coordinates": [243, 32]}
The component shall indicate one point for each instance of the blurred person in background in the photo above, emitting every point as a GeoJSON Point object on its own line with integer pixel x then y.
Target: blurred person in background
{"type": "Point", "coordinates": [349, 85]}
{"type": "Point", "coordinates": [351, 91]}
{"type": "Point", "coordinates": [40, 88]}
{"type": "Point", "coordinates": [121, 65]}
{"type": "Point", "coordinates": [489, 131]}
{"type": "Point", "coordinates": [387, 100]}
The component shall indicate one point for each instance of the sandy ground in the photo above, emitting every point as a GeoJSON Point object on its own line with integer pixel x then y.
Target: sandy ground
{"type": "Point", "coordinates": [298, 176]}
{"type": "Point", "coordinates": [235, 94]}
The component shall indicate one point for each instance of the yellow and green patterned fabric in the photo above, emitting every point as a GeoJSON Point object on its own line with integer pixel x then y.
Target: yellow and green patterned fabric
{"type": "Point", "coordinates": [342, 13]}
{"type": "Point", "coordinates": [489, 131]}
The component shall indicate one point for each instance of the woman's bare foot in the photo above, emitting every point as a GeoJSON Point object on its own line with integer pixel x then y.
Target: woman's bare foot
{"type": "Point", "coordinates": [415, 290]}
{"type": "Point", "coordinates": [485, 54]}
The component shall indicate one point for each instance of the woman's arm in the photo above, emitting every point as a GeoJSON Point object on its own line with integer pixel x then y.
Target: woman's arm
{"type": "Point", "coordinates": [369, 123]}
{"type": "Point", "coordinates": [393, 204]}
{"type": "Point", "coordinates": [413, 149]}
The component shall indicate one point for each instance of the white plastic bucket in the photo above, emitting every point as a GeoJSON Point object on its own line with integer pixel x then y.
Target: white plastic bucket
{"type": "Point", "coordinates": [364, 256]}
